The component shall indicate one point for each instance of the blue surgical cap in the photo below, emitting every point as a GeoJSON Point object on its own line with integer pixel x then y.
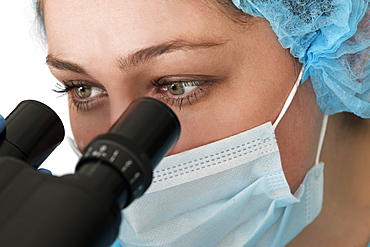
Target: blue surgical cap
{"type": "Point", "coordinates": [331, 38]}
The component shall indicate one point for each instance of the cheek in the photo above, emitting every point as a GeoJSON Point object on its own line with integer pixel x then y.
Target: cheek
{"type": "Point", "coordinates": [217, 118]}
{"type": "Point", "coordinates": [298, 134]}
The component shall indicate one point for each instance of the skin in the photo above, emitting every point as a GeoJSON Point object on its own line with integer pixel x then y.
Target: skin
{"type": "Point", "coordinates": [345, 216]}
{"type": "Point", "coordinates": [251, 76]}
{"type": "Point", "coordinates": [245, 63]}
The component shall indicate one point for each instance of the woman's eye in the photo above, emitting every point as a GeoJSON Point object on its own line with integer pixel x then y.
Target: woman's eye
{"type": "Point", "coordinates": [180, 88]}
{"type": "Point", "coordinates": [84, 92]}
{"type": "Point", "coordinates": [180, 92]}
{"type": "Point", "coordinates": [83, 97]}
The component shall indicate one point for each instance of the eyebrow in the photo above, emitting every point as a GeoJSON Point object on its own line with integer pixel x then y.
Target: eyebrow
{"type": "Point", "coordinates": [144, 55]}
{"type": "Point", "coordinates": [136, 58]}
{"type": "Point", "coordinates": [60, 64]}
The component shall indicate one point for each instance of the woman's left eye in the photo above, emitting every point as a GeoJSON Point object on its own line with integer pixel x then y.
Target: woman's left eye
{"type": "Point", "coordinates": [178, 92]}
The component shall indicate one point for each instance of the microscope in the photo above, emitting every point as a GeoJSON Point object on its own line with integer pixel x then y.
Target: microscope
{"type": "Point", "coordinates": [84, 208]}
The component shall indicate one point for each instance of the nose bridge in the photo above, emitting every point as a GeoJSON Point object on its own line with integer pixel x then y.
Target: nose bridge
{"type": "Point", "coordinates": [121, 98]}
{"type": "Point", "coordinates": [122, 89]}
{"type": "Point", "coordinates": [117, 107]}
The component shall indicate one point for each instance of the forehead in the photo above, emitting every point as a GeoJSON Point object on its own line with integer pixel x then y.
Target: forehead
{"type": "Point", "coordinates": [130, 24]}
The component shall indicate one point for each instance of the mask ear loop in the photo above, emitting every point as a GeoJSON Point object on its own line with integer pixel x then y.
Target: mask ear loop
{"type": "Point", "coordinates": [74, 147]}
{"type": "Point", "coordinates": [321, 139]}
{"type": "Point", "coordinates": [289, 99]}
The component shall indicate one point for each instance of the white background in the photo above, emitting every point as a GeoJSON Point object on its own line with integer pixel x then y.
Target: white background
{"type": "Point", "coordinates": [24, 75]}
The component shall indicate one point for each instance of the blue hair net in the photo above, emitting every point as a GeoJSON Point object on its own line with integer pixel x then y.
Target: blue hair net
{"type": "Point", "coordinates": [332, 39]}
{"type": "Point", "coordinates": [34, 5]}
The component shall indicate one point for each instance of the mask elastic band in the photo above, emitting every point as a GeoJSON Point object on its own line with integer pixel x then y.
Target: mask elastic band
{"type": "Point", "coordinates": [74, 147]}
{"type": "Point", "coordinates": [289, 99]}
{"type": "Point", "coordinates": [321, 139]}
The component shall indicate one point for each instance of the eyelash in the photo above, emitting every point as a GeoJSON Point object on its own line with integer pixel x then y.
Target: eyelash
{"type": "Point", "coordinates": [161, 92]}
{"type": "Point", "coordinates": [189, 98]}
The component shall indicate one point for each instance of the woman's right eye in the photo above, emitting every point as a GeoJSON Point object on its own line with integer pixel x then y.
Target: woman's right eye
{"type": "Point", "coordinates": [84, 92]}
{"type": "Point", "coordinates": [81, 94]}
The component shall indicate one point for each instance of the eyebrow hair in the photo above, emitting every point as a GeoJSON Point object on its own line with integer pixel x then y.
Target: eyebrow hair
{"type": "Point", "coordinates": [60, 64]}
{"type": "Point", "coordinates": [144, 55]}
{"type": "Point", "coordinates": [136, 58]}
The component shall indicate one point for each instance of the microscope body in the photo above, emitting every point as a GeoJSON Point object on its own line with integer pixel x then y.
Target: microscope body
{"type": "Point", "coordinates": [37, 209]}
{"type": "Point", "coordinates": [81, 209]}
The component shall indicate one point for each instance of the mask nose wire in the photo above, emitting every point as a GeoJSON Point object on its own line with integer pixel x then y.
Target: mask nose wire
{"type": "Point", "coordinates": [289, 99]}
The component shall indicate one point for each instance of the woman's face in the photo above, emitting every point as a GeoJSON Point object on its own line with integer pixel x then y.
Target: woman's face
{"type": "Point", "coordinates": [220, 77]}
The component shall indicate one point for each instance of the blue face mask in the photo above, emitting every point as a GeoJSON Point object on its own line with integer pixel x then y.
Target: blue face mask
{"type": "Point", "coordinates": [232, 192]}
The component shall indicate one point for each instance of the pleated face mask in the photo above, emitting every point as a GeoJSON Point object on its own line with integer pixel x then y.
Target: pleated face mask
{"type": "Point", "coordinates": [232, 192]}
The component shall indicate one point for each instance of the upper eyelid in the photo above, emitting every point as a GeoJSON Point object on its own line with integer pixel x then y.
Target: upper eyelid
{"type": "Point", "coordinates": [185, 78]}
{"type": "Point", "coordinates": [72, 83]}
{"type": "Point", "coordinates": [189, 77]}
